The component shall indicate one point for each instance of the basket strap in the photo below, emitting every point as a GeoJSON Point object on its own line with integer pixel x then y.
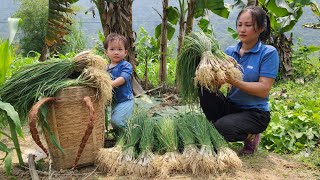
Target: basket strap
{"type": "Point", "coordinates": [92, 118]}
{"type": "Point", "coordinates": [33, 116]}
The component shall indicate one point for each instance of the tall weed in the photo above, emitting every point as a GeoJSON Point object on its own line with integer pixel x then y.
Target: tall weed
{"type": "Point", "coordinates": [306, 61]}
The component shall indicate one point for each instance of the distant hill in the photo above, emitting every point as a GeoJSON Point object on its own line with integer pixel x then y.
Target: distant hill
{"type": "Point", "coordinates": [144, 15]}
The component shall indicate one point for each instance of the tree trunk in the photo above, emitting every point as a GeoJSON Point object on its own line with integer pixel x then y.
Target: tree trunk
{"type": "Point", "coordinates": [44, 53]}
{"type": "Point", "coordinates": [117, 17]}
{"type": "Point", "coordinates": [101, 4]}
{"type": "Point", "coordinates": [191, 6]}
{"type": "Point", "coordinates": [163, 43]}
{"type": "Point", "coordinates": [283, 45]}
{"type": "Point", "coordinates": [181, 26]}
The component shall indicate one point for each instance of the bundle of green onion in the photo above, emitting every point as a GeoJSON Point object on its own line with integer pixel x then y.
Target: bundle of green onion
{"type": "Point", "coordinates": [190, 149]}
{"type": "Point", "coordinates": [44, 79]}
{"type": "Point", "coordinates": [226, 157]}
{"type": "Point", "coordinates": [144, 163]}
{"type": "Point", "coordinates": [132, 137]}
{"type": "Point", "coordinates": [205, 162]}
{"type": "Point", "coordinates": [202, 63]}
{"type": "Point", "coordinates": [166, 133]}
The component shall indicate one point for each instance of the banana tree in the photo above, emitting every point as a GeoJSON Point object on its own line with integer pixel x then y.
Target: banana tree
{"type": "Point", "coordinates": [315, 9]}
{"type": "Point", "coordinates": [59, 21]}
{"type": "Point", "coordinates": [284, 14]}
{"type": "Point", "coordinates": [116, 16]}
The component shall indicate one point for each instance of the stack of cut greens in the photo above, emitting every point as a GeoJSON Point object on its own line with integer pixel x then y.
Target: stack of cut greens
{"type": "Point", "coordinates": [202, 63]}
{"type": "Point", "coordinates": [162, 147]}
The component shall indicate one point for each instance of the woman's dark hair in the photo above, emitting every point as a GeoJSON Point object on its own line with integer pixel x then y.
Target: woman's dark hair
{"type": "Point", "coordinates": [115, 37]}
{"type": "Point", "coordinates": [259, 19]}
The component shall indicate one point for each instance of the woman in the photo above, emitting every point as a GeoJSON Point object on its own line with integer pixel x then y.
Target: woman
{"type": "Point", "coordinates": [244, 113]}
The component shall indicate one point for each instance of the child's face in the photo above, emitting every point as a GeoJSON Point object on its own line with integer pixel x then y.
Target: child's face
{"type": "Point", "coordinates": [116, 51]}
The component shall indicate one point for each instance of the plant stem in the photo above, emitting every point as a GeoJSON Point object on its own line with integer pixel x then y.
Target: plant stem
{"type": "Point", "coordinates": [15, 140]}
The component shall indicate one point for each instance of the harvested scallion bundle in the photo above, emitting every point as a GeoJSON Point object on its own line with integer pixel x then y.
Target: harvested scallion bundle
{"type": "Point", "coordinates": [34, 81]}
{"type": "Point", "coordinates": [44, 79]}
{"type": "Point", "coordinates": [166, 133]}
{"type": "Point", "coordinates": [202, 63]}
{"type": "Point", "coordinates": [144, 163]}
{"type": "Point", "coordinates": [108, 158]}
{"type": "Point", "coordinates": [190, 150]}
{"type": "Point", "coordinates": [227, 159]}
{"type": "Point", "coordinates": [205, 162]}
{"type": "Point", "coordinates": [88, 59]}
{"type": "Point", "coordinates": [132, 137]}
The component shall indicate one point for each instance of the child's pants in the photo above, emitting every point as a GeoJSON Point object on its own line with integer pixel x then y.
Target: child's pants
{"type": "Point", "coordinates": [121, 112]}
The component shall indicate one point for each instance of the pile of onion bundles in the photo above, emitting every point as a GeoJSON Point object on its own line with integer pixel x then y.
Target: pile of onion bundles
{"type": "Point", "coordinates": [164, 147]}
{"type": "Point", "coordinates": [36, 82]}
{"type": "Point", "coordinates": [45, 79]}
{"type": "Point", "coordinates": [202, 63]}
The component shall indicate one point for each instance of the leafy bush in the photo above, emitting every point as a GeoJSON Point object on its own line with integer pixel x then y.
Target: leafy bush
{"type": "Point", "coordinates": [306, 61]}
{"type": "Point", "coordinates": [34, 26]}
{"type": "Point", "coordinates": [295, 118]}
{"type": "Point", "coordinates": [311, 157]}
{"type": "Point", "coordinates": [148, 55]}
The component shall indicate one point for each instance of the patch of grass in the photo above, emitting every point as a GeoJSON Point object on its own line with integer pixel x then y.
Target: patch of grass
{"type": "Point", "coordinates": [311, 158]}
{"type": "Point", "coordinates": [41, 165]}
{"type": "Point", "coordinates": [257, 160]}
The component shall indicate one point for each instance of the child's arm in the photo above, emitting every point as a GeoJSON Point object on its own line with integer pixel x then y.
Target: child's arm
{"type": "Point", "coordinates": [118, 82]}
{"type": "Point", "coordinates": [125, 76]}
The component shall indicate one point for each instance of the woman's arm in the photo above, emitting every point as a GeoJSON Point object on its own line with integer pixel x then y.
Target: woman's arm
{"type": "Point", "coordinates": [260, 88]}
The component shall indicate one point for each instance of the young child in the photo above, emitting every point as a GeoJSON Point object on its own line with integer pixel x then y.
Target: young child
{"type": "Point", "coordinates": [116, 48]}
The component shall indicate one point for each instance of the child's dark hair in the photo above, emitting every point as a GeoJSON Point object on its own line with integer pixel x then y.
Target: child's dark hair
{"type": "Point", "coordinates": [259, 19]}
{"type": "Point", "coordinates": [115, 37]}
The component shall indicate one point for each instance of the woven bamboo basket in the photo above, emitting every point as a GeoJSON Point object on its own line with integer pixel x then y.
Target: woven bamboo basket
{"type": "Point", "coordinates": [68, 118]}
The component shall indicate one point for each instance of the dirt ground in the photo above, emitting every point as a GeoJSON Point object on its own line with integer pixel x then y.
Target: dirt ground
{"type": "Point", "coordinates": [261, 166]}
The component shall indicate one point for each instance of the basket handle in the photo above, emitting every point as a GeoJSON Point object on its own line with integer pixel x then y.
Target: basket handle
{"type": "Point", "coordinates": [33, 116]}
{"type": "Point", "coordinates": [92, 118]}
